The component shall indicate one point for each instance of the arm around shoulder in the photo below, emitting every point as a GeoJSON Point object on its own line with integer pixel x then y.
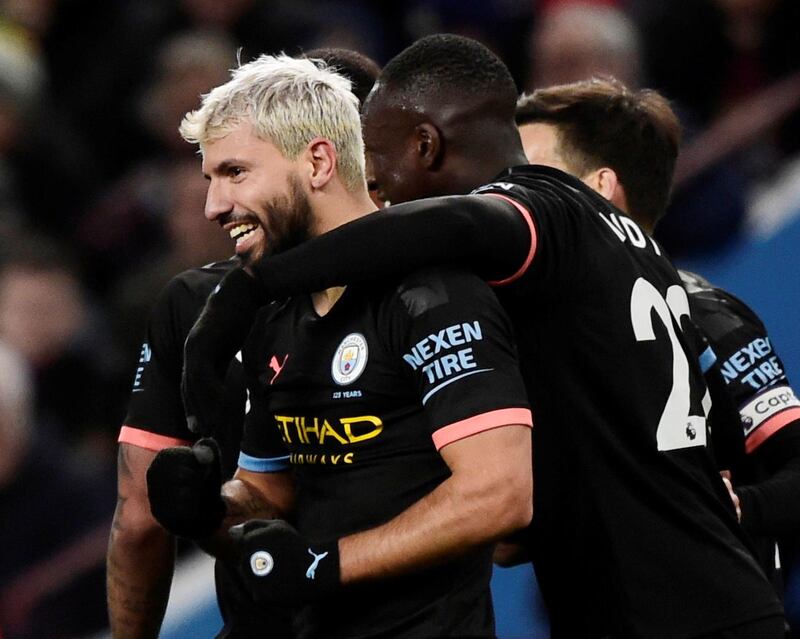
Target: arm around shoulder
{"type": "Point", "coordinates": [486, 233]}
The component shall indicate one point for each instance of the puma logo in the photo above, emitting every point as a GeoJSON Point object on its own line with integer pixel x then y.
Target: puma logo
{"type": "Point", "coordinates": [273, 364]}
{"type": "Point", "coordinates": [313, 567]}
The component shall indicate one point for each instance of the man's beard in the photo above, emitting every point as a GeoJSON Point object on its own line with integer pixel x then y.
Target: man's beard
{"type": "Point", "coordinates": [290, 219]}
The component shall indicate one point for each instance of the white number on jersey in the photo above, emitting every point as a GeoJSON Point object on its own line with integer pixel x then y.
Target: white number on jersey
{"type": "Point", "coordinates": [676, 428]}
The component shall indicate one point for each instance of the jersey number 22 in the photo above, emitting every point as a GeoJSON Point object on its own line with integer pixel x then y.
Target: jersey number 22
{"type": "Point", "coordinates": [676, 427]}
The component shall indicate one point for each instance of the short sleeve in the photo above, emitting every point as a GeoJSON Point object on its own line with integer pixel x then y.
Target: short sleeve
{"type": "Point", "coordinates": [456, 343]}
{"type": "Point", "coordinates": [553, 210]}
{"type": "Point", "coordinates": [155, 417]}
{"type": "Point", "coordinates": [751, 368]}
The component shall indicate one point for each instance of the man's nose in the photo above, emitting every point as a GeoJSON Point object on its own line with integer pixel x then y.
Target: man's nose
{"type": "Point", "coordinates": [218, 202]}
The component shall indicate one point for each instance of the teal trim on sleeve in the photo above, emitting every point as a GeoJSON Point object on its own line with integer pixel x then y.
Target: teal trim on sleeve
{"type": "Point", "coordinates": [263, 465]}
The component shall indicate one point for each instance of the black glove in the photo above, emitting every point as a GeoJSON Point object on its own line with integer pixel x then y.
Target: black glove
{"type": "Point", "coordinates": [183, 486]}
{"type": "Point", "coordinates": [280, 566]}
{"type": "Point", "coordinates": [212, 343]}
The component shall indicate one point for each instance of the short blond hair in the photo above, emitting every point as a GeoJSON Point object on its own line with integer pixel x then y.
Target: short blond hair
{"type": "Point", "coordinates": [289, 102]}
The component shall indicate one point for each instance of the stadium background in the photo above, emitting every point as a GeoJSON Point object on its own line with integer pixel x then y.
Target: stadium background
{"type": "Point", "coordinates": [101, 202]}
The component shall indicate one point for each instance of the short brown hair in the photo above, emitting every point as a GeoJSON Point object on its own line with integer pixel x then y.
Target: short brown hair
{"type": "Point", "coordinates": [361, 70]}
{"type": "Point", "coordinates": [600, 123]}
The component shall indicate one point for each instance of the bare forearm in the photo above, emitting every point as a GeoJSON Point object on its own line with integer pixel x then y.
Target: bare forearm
{"type": "Point", "coordinates": [139, 574]}
{"type": "Point", "coordinates": [447, 522]}
{"type": "Point", "coordinates": [141, 554]}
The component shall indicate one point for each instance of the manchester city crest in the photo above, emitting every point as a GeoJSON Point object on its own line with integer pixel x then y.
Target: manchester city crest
{"type": "Point", "coordinates": [350, 359]}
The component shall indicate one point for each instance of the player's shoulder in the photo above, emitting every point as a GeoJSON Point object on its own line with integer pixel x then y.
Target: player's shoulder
{"type": "Point", "coordinates": [710, 301]}
{"type": "Point", "coordinates": [197, 283]}
{"type": "Point", "coordinates": [698, 286]}
{"type": "Point", "coordinates": [525, 181]}
{"type": "Point", "coordinates": [430, 287]}
{"type": "Point", "coordinates": [534, 174]}
{"type": "Point", "coordinates": [718, 312]}
{"type": "Point", "coordinates": [564, 210]}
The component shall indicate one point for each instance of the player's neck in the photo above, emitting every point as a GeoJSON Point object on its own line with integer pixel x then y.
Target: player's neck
{"type": "Point", "coordinates": [342, 207]}
{"type": "Point", "coordinates": [323, 301]}
{"type": "Point", "coordinates": [333, 209]}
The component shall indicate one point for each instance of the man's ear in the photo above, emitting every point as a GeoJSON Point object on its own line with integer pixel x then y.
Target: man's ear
{"type": "Point", "coordinates": [606, 182]}
{"type": "Point", "coordinates": [429, 145]}
{"type": "Point", "coordinates": [321, 156]}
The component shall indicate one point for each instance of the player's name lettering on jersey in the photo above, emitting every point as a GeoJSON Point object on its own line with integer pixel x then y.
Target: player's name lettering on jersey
{"type": "Point", "coordinates": [316, 430]}
{"type": "Point", "coordinates": [766, 405]}
{"type": "Point", "coordinates": [754, 364]}
{"type": "Point", "coordinates": [425, 353]}
{"type": "Point", "coordinates": [144, 357]}
{"type": "Point", "coordinates": [313, 458]}
{"type": "Point", "coordinates": [627, 230]}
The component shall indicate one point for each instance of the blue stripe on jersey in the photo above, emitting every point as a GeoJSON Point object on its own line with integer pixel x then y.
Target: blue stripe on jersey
{"type": "Point", "coordinates": [263, 465]}
{"type": "Point", "coordinates": [707, 359]}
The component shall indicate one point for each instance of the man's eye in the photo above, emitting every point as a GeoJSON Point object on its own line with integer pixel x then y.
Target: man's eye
{"type": "Point", "coordinates": [235, 171]}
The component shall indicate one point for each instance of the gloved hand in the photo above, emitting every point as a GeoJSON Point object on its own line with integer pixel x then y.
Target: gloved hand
{"type": "Point", "coordinates": [280, 566]}
{"type": "Point", "coordinates": [212, 343]}
{"type": "Point", "coordinates": [183, 486]}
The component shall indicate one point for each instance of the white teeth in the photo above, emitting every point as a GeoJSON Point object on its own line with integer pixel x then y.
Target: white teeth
{"type": "Point", "coordinates": [238, 232]}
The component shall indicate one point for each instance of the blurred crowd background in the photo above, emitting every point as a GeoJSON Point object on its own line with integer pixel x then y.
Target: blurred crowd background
{"type": "Point", "coordinates": [101, 202]}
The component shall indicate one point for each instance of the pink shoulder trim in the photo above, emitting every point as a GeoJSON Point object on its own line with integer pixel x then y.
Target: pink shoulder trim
{"type": "Point", "coordinates": [148, 440]}
{"type": "Point", "coordinates": [479, 423]}
{"type": "Point", "coordinates": [534, 239]}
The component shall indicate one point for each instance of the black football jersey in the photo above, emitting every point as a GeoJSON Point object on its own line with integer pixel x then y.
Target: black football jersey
{"type": "Point", "coordinates": [752, 370]}
{"type": "Point", "coordinates": [633, 532]}
{"type": "Point", "coordinates": [156, 420]}
{"type": "Point", "coordinates": [155, 417]}
{"type": "Point", "coordinates": [358, 402]}
{"type": "Point", "coordinates": [754, 376]}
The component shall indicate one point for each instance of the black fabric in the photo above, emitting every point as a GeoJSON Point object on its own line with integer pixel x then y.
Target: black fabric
{"type": "Point", "coordinates": [769, 628]}
{"type": "Point", "coordinates": [770, 507]}
{"type": "Point", "coordinates": [183, 486]}
{"type": "Point", "coordinates": [155, 403]}
{"type": "Point", "coordinates": [652, 533]}
{"type": "Point", "coordinates": [727, 436]}
{"type": "Point", "coordinates": [627, 494]}
{"type": "Point", "coordinates": [282, 567]}
{"type": "Point", "coordinates": [212, 343]}
{"type": "Point", "coordinates": [156, 407]}
{"type": "Point", "coordinates": [354, 398]}
{"type": "Point", "coordinates": [243, 617]}
{"type": "Point", "coordinates": [766, 424]}
{"type": "Point", "coordinates": [483, 233]}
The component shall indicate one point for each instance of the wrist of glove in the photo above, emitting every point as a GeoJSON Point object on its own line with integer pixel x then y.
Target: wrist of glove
{"type": "Point", "coordinates": [213, 342]}
{"type": "Point", "coordinates": [280, 566]}
{"type": "Point", "coordinates": [183, 487]}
